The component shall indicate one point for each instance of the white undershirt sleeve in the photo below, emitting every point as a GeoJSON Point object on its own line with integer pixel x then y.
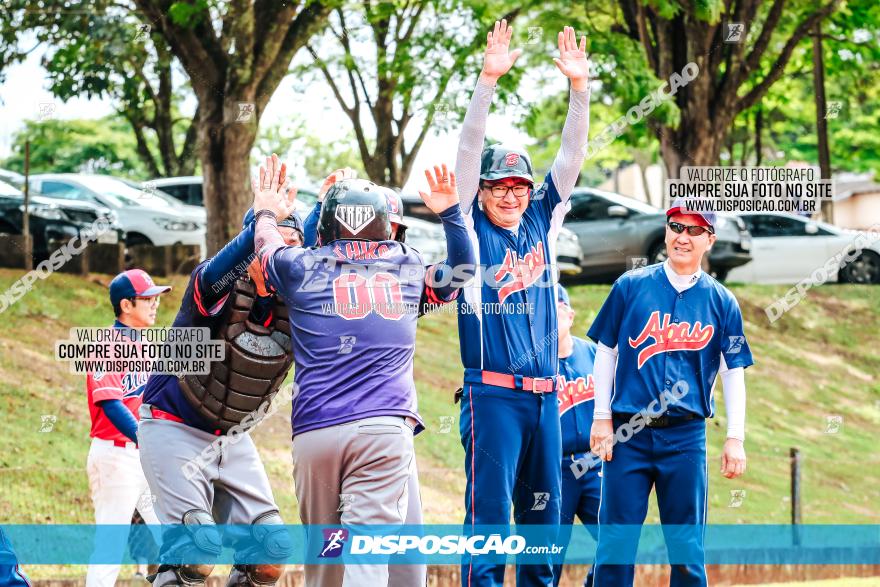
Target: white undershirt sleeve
{"type": "Point", "coordinates": [604, 368]}
{"type": "Point", "coordinates": [733, 382]}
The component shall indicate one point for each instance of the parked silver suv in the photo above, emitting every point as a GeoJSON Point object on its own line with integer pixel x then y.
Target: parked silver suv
{"type": "Point", "coordinates": [617, 233]}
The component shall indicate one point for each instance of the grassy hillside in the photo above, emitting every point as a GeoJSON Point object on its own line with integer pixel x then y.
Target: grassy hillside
{"type": "Point", "coordinates": [822, 359]}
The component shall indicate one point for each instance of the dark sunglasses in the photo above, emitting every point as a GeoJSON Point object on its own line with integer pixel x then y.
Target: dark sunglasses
{"type": "Point", "coordinates": [692, 230]}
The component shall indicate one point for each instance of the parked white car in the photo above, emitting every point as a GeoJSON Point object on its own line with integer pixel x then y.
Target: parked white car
{"type": "Point", "coordinates": [788, 249]}
{"type": "Point", "coordinates": [188, 189]}
{"type": "Point", "coordinates": [147, 216]}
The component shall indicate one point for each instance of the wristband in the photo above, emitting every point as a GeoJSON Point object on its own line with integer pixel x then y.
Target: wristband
{"type": "Point", "coordinates": [264, 212]}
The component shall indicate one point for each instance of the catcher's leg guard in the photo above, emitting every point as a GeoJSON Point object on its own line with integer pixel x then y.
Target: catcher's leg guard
{"type": "Point", "coordinates": [254, 575]}
{"type": "Point", "coordinates": [275, 545]}
{"type": "Point", "coordinates": [206, 539]}
{"type": "Point", "coordinates": [181, 575]}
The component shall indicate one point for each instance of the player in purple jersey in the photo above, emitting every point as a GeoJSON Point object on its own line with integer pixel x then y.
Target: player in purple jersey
{"type": "Point", "coordinates": [354, 301]}
{"type": "Point", "coordinates": [664, 334]}
{"type": "Point", "coordinates": [509, 421]}
{"type": "Point", "coordinates": [183, 418]}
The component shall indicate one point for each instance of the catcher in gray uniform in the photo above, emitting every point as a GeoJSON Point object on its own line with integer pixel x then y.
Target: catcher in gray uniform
{"type": "Point", "coordinates": [196, 479]}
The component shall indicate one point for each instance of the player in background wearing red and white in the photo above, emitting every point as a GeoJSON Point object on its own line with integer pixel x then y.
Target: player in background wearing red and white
{"type": "Point", "coordinates": [116, 480]}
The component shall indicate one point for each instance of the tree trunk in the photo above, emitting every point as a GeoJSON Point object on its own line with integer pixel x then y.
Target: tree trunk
{"type": "Point", "coordinates": [759, 131]}
{"type": "Point", "coordinates": [224, 151]}
{"type": "Point", "coordinates": [643, 160]}
{"type": "Point", "coordinates": [821, 120]}
{"type": "Point", "coordinates": [693, 143]}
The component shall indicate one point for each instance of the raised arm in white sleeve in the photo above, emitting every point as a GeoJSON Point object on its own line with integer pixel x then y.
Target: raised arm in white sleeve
{"type": "Point", "coordinates": [604, 367]}
{"type": "Point", "coordinates": [733, 382]}
{"type": "Point", "coordinates": [470, 145]}
{"type": "Point", "coordinates": [573, 146]}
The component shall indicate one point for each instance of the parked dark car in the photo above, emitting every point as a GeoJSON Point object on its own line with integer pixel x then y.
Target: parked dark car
{"type": "Point", "coordinates": [79, 212]}
{"type": "Point", "coordinates": [616, 233]}
{"type": "Point", "coordinates": [47, 222]}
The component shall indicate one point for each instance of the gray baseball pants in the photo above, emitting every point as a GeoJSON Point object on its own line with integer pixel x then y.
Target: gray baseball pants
{"type": "Point", "coordinates": [367, 469]}
{"type": "Point", "coordinates": [185, 474]}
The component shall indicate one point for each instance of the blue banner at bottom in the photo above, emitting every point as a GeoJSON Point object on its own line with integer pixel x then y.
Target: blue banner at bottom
{"type": "Point", "coordinates": [448, 544]}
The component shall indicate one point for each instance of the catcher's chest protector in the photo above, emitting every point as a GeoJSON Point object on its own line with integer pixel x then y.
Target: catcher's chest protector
{"type": "Point", "coordinates": [257, 360]}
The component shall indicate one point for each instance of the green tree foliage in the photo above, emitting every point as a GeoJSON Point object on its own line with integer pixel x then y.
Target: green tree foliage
{"type": "Point", "coordinates": [400, 68]}
{"type": "Point", "coordinates": [851, 49]}
{"type": "Point", "coordinates": [104, 49]}
{"type": "Point", "coordinates": [104, 146]}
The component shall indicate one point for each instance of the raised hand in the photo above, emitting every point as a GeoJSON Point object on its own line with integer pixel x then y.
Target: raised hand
{"type": "Point", "coordinates": [338, 175]}
{"type": "Point", "coordinates": [443, 191]}
{"type": "Point", "coordinates": [272, 191]}
{"type": "Point", "coordinates": [572, 60]}
{"type": "Point", "coordinates": [497, 60]}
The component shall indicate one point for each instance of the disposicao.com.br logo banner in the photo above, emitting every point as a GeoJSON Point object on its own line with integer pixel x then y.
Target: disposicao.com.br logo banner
{"type": "Point", "coordinates": [450, 544]}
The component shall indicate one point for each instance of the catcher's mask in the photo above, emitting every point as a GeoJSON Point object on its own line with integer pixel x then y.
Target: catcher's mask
{"type": "Point", "coordinates": [355, 209]}
{"type": "Point", "coordinates": [502, 161]}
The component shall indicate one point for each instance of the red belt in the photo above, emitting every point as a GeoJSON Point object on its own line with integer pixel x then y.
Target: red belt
{"type": "Point", "coordinates": [163, 415]}
{"type": "Point", "coordinates": [532, 384]}
{"type": "Point", "coordinates": [123, 443]}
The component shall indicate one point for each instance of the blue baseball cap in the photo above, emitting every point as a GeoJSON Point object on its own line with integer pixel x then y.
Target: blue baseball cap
{"type": "Point", "coordinates": [562, 295]}
{"type": "Point", "coordinates": [134, 283]}
{"type": "Point", "coordinates": [293, 221]}
{"type": "Point", "coordinates": [680, 206]}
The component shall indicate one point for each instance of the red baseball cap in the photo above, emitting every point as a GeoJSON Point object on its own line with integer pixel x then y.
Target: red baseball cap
{"type": "Point", "coordinates": [135, 283]}
{"type": "Point", "coordinates": [680, 206]}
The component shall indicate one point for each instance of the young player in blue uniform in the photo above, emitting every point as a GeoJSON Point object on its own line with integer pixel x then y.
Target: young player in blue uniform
{"type": "Point", "coordinates": [230, 486]}
{"type": "Point", "coordinates": [354, 303]}
{"type": "Point", "coordinates": [670, 329]}
{"type": "Point", "coordinates": [509, 421]}
{"type": "Point", "coordinates": [574, 390]}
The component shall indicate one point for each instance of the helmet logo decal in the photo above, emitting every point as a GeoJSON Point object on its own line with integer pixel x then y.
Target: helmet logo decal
{"type": "Point", "coordinates": [393, 208]}
{"type": "Point", "coordinates": [511, 159]}
{"type": "Point", "coordinates": [355, 217]}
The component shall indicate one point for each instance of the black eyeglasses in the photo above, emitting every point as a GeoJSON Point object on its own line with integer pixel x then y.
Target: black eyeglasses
{"type": "Point", "coordinates": [692, 230]}
{"type": "Point", "coordinates": [499, 191]}
{"type": "Point", "coordinates": [152, 301]}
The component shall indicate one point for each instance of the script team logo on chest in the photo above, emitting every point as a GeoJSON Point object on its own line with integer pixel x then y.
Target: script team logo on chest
{"type": "Point", "coordinates": [525, 270]}
{"type": "Point", "coordinates": [670, 337]}
{"type": "Point", "coordinates": [572, 393]}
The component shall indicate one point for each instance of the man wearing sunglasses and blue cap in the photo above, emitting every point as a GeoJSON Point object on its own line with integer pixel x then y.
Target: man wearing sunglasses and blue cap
{"type": "Point", "coordinates": [664, 334]}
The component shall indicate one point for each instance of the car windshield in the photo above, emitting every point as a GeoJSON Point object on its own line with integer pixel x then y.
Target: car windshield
{"type": "Point", "coordinates": [8, 190]}
{"type": "Point", "coordinates": [124, 194]}
{"type": "Point", "coordinates": [630, 203]}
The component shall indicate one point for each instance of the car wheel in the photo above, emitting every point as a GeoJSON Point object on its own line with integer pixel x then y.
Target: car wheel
{"type": "Point", "coordinates": [135, 238]}
{"type": "Point", "coordinates": [865, 269]}
{"type": "Point", "coordinates": [657, 253]}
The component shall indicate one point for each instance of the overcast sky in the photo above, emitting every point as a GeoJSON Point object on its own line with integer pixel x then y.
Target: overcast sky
{"type": "Point", "coordinates": [25, 90]}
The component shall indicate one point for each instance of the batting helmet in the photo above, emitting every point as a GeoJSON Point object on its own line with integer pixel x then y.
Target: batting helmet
{"type": "Point", "coordinates": [355, 209]}
{"type": "Point", "coordinates": [502, 161]}
{"type": "Point", "coordinates": [395, 213]}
